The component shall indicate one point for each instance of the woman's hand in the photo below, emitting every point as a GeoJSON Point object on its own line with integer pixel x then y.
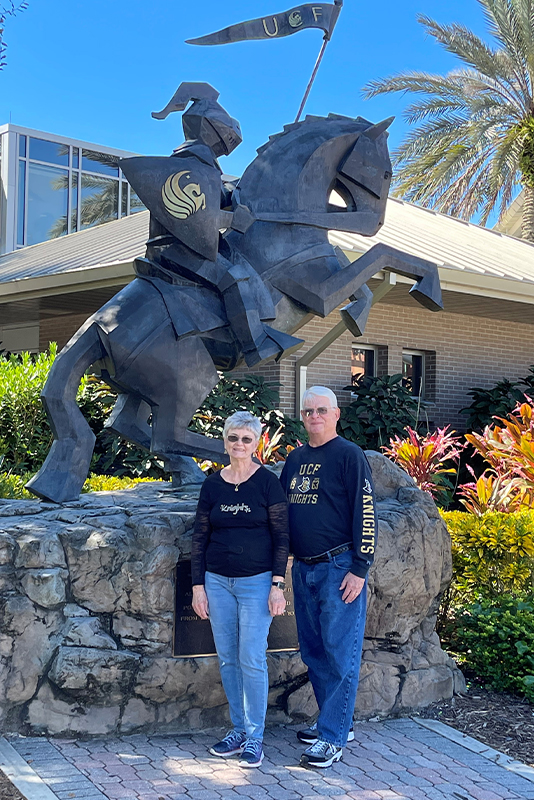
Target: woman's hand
{"type": "Point", "coordinates": [200, 602]}
{"type": "Point", "coordinates": [277, 601]}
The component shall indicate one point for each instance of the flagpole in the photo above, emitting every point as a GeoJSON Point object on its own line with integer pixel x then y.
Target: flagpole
{"type": "Point", "coordinates": [326, 39]}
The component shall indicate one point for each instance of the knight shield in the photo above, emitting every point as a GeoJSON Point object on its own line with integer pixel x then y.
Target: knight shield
{"type": "Point", "coordinates": [183, 194]}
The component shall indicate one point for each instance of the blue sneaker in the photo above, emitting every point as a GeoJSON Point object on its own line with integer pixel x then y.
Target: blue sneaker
{"type": "Point", "coordinates": [252, 754]}
{"type": "Point", "coordinates": [233, 743]}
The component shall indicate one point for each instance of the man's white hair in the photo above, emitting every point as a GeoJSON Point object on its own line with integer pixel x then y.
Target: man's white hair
{"type": "Point", "coordinates": [320, 391]}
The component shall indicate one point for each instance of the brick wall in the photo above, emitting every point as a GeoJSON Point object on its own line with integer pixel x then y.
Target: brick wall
{"type": "Point", "coordinates": [463, 351]}
{"type": "Point", "coordinates": [59, 329]}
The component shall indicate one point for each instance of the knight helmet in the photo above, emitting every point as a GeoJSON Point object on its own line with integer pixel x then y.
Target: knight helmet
{"type": "Point", "coordinates": [205, 120]}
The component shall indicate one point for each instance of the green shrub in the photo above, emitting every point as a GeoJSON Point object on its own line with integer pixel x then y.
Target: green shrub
{"type": "Point", "coordinates": [493, 554]}
{"type": "Point", "coordinates": [383, 408]}
{"type": "Point", "coordinates": [494, 640]}
{"type": "Point", "coordinates": [112, 483]}
{"type": "Point", "coordinates": [12, 487]}
{"type": "Point", "coordinates": [497, 401]}
{"type": "Point", "coordinates": [253, 393]}
{"type": "Point", "coordinates": [25, 435]}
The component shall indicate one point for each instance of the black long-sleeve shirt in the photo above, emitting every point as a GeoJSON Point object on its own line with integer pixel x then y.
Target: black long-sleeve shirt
{"type": "Point", "coordinates": [240, 533]}
{"type": "Point", "coordinates": [331, 501]}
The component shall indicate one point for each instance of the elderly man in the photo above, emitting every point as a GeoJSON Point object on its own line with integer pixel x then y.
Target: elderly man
{"type": "Point", "coordinates": [333, 527]}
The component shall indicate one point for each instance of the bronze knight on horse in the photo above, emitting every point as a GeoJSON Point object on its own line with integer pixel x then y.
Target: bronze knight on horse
{"type": "Point", "coordinates": [232, 270]}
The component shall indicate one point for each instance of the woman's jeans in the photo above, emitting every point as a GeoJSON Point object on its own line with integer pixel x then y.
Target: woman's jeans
{"type": "Point", "coordinates": [240, 621]}
{"type": "Point", "coordinates": [331, 637]}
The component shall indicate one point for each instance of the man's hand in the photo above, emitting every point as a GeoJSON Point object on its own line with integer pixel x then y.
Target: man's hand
{"type": "Point", "coordinates": [351, 587]}
{"type": "Point", "coordinates": [200, 602]}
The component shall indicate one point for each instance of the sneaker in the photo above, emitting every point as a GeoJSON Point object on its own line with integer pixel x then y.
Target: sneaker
{"type": "Point", "coordinates": [310, 735]}
{"type": "Point", "coordinates": [321, 754]}
{"type": "Point", "coordinates": [233, 743]}
{"type": "Point", "coordinates": [252, 754]}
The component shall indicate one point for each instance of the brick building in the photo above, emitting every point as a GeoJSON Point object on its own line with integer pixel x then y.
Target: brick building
{"type": "Point", "coordinates": [485, 333]}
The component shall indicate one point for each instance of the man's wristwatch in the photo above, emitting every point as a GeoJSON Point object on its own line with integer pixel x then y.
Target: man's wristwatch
{"type": "Point", "coordinates": [279, 584]}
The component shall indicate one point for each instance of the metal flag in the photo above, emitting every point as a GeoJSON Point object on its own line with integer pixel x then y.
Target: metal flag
{"type": "Point", "coordinates": [309, 15]}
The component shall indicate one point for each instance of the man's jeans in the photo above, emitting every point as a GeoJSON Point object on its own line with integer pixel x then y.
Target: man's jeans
{"type": "Point", "coordinates": [331, 637]}
{"type": "Point", "coordinates": [240, 621]}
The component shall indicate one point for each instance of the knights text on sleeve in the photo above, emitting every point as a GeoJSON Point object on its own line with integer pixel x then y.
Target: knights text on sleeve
{"type": "Point", "coordinates": [331, 501]}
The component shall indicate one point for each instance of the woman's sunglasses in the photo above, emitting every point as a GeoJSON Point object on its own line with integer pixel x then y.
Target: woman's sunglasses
{"type": "Point", "coordinates": [245, 439]}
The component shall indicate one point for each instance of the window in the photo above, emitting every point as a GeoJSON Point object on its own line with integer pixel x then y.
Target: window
{"type": "Point", "coordinates": [63, 188]}
{"type": "Point", "coordinates": [413, 371]}
{"type": "Point", "coordinates": [363, 362]}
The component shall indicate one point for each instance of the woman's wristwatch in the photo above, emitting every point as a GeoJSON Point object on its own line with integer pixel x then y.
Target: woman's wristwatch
{"type": "Point", "coordinates": [279, 584]}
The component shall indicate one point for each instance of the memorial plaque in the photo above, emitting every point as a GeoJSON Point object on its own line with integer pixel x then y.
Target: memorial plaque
{"type": "Point", "coordinates": [192, 635]}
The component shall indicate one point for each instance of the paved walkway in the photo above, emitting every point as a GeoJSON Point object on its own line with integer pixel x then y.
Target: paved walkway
{"type": "Point", "coordinates": [393, 760]}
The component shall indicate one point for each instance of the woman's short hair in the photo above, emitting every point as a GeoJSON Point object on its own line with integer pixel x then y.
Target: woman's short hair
{"type": "Point", "coordinates": [243, 419]}
{"type": "Point", "coordinates": [320, 391]}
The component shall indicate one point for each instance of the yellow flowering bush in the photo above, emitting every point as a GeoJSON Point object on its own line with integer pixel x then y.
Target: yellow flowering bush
{"type": "Point", "coordinates": [492, 553]}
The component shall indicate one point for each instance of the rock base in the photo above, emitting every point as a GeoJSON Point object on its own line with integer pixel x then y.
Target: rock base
{"type": "Point", "coordinates": [87, 598]}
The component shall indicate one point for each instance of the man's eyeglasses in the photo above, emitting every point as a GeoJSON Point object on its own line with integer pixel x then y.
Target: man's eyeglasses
{"type": "Point", "coordinates": [322, 411]}
{"type": "Point", "coordinates": [232, 437]}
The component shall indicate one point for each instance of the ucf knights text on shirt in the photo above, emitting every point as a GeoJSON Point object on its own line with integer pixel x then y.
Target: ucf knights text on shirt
{"type": "Point", "coordinates": [331, 501]}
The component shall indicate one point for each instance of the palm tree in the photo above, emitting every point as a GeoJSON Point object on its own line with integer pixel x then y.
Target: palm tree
{"type": "Point", "coordinates": [473, 144]}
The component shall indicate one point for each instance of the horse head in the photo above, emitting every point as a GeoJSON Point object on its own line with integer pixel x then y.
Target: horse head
{"type": "Point", "coordinates": [288, 192]}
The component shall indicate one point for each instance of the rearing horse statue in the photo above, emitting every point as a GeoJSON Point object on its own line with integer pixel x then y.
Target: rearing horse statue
{"type": "Point", "coordinates": [231, 272]}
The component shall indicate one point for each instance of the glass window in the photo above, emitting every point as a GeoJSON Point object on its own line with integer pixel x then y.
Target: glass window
{"type": "Point", "coordinates": [100, 162]}
{"type": "Point", "coordinates": [75, 158]}
{"type": "Point", "coordinates": [74, 202]}
{"type": "Point", "coordinates": [362, 363]}
{"type": "Point", "coordinates": [51, 152]}
{"type": "Point", "coordinates": [135, 203]}
{"type": "Point", "coordinates": [99, 201]}
{"type": "Point", "coordinates": [124, 198]}
{"type": "Point", "coordinates": [22, 146]}
{"type": "Point", "coordinates": [413, 365]}
{"type": "Point", "coordinates": [47, 203]}
{"type": "Point", "coordinates": [20, 202]}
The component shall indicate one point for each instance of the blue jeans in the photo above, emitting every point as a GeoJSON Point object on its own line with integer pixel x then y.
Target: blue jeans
{"type": "Point", "coordinates": [240, 621]}
{"type": "Point", "coordinates": [331, 638]}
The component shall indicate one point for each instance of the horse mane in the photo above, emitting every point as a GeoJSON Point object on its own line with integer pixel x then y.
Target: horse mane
{"type": "Point", "coordinates": [271, 181]}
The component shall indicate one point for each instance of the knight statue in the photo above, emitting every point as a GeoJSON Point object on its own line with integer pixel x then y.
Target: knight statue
{"type": "Point", "coordinates": [232, 270]}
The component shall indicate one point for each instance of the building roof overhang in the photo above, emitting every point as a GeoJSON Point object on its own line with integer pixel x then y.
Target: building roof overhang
{"type": "Point", "coordinates": [474, 261]}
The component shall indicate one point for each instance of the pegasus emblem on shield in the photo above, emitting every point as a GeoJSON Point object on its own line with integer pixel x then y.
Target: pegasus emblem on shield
{"type": "Point", "coordinates": [182, 203]}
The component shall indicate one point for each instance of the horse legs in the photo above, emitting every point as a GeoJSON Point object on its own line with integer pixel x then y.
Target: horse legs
{"type": "Point", "coordinates": [65, 469]}
{"type": "Point", "coordinates": [129, 419]}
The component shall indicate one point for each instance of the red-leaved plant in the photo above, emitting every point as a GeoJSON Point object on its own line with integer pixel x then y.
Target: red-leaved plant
{"type": "Point", "coordinates": [425, 457]}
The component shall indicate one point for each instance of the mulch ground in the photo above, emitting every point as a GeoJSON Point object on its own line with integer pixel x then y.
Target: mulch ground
{"type": "Point", "coordinates": [504, 722]}
{"type": "Point", "coordinates": [7, 790]}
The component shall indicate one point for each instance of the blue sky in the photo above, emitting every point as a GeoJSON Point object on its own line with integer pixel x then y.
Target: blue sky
{"type": "Point", "coordinates": [96, 70]}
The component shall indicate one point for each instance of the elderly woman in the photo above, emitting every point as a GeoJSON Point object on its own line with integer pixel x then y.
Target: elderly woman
{"type": "Point", "coordinates": [238, 563]}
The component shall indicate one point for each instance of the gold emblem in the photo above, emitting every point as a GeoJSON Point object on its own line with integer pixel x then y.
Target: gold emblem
{"type": "Point", "coordinates": [295, 19]}
{"type": "Point", "coordinates": [182, 203]}
{"type": "Point", "coordinates": [305, 485]}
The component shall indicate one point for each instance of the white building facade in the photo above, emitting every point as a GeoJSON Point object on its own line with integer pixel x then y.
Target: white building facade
{"type": "Point", "coordinates": [52, 185]}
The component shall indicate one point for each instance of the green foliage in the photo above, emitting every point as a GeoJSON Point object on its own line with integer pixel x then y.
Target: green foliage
{"type": "Point", "coordinates": [472, 137]}
{"type": "Point", "coordinates": [111, 483]}
{"type": "Point", "coordinates": [113, 455]}
{"type": "Point", "coordinates": [253, 394]}
{"type": "Point", "coordinates": [12, 487]}
{"type": "Point", "coordinates": [494, 639]}
{"type": "Point", "coordinates": [25, 435]}
{"type": "Point", "coordinates": [497, 401]}
{"type": "Point", "coordinates": [382, 409]}
{"type": "Point", "coordinates": [493, 554]}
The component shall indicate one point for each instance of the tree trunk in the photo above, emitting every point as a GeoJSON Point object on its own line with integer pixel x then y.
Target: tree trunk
{"type": "Point", "coordinates": [527, 224]}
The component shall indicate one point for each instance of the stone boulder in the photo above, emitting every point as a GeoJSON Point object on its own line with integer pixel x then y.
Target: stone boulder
{"type": "Point", "coordinates": [87, 614]}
